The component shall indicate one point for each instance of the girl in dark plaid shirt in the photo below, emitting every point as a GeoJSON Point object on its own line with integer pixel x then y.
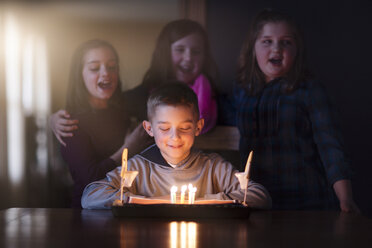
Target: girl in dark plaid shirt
{"type": "Point", "coordinates": [285, 118]}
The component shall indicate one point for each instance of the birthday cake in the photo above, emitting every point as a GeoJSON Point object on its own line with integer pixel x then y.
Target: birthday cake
{"type": "Point", "coordinates": [181, 211]}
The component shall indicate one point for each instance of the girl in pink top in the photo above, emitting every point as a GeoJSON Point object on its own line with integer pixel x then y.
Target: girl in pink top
{"type": "Point", "coordinates": [183, 53]}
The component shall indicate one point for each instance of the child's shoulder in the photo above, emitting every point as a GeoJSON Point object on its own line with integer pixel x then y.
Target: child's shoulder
{"type": "Point", "coordinates": [209, 155]}
{"type": "Point", "coordinates": [312, 89]}
{"type": "Point", "coordinates": [139, 159]}
{"type": "Point", "coordinates": [311, 84]}
{"type": "Point", "coordinates": [313, 93]}
{"type": "Point", "coordinates": [212, 158]}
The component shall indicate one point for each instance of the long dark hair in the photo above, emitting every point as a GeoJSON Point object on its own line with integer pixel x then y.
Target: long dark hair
{"type": "Point", "coordinates": [250, 75]}
{"type": "Point", "coordinates": [161, 69]}
{"type": "Point", "coordinates": [77, 94]}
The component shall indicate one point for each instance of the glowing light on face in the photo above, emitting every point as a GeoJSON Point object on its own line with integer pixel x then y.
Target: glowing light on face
{"type": "Point", "coordinates": [174, 129]}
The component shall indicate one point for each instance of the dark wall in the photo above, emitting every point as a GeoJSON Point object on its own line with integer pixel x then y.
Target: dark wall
{"type": "Point", "coordinates": [338, 37]}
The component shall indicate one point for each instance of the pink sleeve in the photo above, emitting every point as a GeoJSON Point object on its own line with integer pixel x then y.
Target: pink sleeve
{"type": "Point", "coordinates": [207, 103]}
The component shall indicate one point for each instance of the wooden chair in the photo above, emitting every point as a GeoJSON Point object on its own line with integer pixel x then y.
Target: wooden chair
{"type": "Point", "coordinates": [219, 138]}
{"type": "Point", "coordinates": [223, 140]}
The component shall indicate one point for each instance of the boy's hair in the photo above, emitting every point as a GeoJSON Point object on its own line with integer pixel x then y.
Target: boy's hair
{"type": "Point", "coordinates": [77, 93]}
{"type": "Point", "coordinates": [172, 94]}
{"type": "Point", "coordinates": [249, 74]}
{"type": "Point", "coordinates": [161, 69]}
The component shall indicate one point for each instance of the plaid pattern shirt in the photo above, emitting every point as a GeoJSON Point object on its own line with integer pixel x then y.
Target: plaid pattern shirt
{"type": "Point", "coordinates": [298, 153]}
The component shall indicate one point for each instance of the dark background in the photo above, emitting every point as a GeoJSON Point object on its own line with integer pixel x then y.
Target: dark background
{"type": "Point", "coordinates": [338, 39]}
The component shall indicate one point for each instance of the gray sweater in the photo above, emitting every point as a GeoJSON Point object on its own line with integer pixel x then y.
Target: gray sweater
{"type": "Point", "coordinates": [210, 173]}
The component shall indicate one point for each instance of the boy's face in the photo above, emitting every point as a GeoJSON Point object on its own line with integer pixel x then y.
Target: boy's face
{"type": "Point", "coordinates": [174, 129]}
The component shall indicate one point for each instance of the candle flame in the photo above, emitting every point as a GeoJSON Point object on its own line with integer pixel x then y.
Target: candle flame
{"type": "Point", "coordinates": [190, 186]}
{"type": "Point", "coordinates": [174, 189]}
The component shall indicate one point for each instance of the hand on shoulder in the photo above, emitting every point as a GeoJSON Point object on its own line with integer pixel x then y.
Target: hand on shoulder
{"type": "Point", "coordinates": [62, 125]}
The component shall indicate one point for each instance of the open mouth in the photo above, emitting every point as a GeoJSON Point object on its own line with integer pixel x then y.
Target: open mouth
{"type": "Point", "coordinates": [105, 85]}
{"type": "Point", "coordinates": [185, 69]}
{"type": "Point", "coordinates": [276, 61]}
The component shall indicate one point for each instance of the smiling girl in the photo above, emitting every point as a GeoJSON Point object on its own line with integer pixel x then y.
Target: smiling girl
{"type": "Point", "coordinates": [182, 53]}
{"type": "Point", "coordinates": [94, 99]}
{"type": "Point", "coordinates": [286, 119]}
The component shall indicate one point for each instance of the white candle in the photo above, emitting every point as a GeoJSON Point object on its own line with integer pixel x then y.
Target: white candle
{"type": "Point", "coordinates": [192, 191]}
{"type": "Point", "coordinates": [173, 194]}
{"type": "Point", "coordinates": [193, 195]}
{"type": "Point", "coordinates": [183, 190]}
{"type": "Point", "coordinates": [190, 194]}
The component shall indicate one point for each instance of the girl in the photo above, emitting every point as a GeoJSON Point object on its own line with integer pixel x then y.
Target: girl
{"type": "Point", "coordinates": [94, 98]}
{"type": "Point", "coordinates": [182, 53]}
{"type": "Point", "coordinates": [286, 119]}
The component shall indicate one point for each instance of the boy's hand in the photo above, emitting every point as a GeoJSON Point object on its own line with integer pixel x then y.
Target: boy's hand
{"type": "Point", "coordinates": [61, 125]}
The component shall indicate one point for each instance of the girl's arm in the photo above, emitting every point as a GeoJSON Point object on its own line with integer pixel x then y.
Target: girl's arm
{"type": "Point", "coordinates": [330, 147]}
{"type": "Point", "coordinates": [135, 141]}
{"type": "Point", "coordinates": [84, 164]}
{"type": "Point", "coordinates": [207, 102]}
{"type": "Point", "coordinates": [61, 125]}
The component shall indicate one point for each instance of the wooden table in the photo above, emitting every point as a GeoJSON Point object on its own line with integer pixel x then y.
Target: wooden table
{"type": "Point", "coordinates": [38, 227]}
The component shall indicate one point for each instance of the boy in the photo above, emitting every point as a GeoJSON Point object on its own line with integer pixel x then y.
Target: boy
{"type": "Point", "coordinates": [173, 120]}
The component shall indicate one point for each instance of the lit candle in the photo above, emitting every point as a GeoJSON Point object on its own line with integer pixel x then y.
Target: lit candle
{"type": "Point", "coordinates": [183, 190]}
{"type": "Point", "coordinates": [192, 191]}
{"type": "Point", "coordinates": [173, 194]}
{"type": "Point", "coordinates": [190, 186]}
{"type": "Point", "coordinates": [190, 194]}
